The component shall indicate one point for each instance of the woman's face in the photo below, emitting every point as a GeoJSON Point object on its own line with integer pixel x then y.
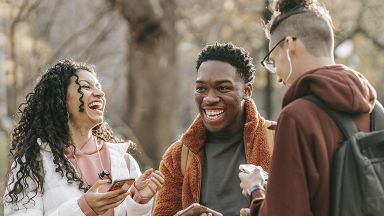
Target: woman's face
{"type": "Point", "coordinates": [93, 99]}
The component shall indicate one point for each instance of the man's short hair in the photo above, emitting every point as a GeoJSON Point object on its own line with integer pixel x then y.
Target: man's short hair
{"type": "Point", "coordinates": [307, 20]}
{"type": "Point", "coordinates": [231, 54]}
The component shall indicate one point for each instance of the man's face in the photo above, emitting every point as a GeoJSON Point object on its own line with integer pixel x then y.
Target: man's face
{"type": "Point", "coordinates": [280, 59]}
{"type": "Point", "coordinates": [219, 97]}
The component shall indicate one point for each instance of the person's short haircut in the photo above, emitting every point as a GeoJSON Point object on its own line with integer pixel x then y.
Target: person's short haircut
{"type": "Point", "coordinates": [231, 54]}
{"type": "Point", "coordinates": [307, 20]}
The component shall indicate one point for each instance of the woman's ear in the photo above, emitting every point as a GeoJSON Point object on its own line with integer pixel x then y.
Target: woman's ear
{"type": "Point", "coordinates": [247, 91]}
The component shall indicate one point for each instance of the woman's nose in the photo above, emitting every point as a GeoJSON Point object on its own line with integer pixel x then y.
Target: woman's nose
{"type": "Point", "coordinates": [99, 93]}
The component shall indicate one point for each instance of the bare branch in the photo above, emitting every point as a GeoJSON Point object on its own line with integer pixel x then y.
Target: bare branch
{"type": "Point", "coordinates": [197, 35]}
{"type": "Point", "coordinates": [374, 40]}
{"type": "Point", "coordinates": [98, 40]}
{"type": "Point", "coordinates": [77, 34]}
{"type": "Point", "coordinates": [51, 19]}
{"type": "Point", "coordinates": [30, 9]}
{"type": "Point", "coordinates": [356, 28]}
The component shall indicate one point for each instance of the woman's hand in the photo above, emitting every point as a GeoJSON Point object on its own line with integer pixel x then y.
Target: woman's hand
{"type": "Point", "coordinates": [101, 202]}
{"type": "Point", "coordinates": [148, 184]}
{"type": "Point", "coordinates": [249, 180]}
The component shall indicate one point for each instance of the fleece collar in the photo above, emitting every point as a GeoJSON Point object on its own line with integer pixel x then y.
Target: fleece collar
{"type": "Point", "coordinates": [194, 137]}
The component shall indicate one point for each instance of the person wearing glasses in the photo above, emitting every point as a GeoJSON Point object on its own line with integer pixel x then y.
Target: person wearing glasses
{"type": "Point", "coordinates": [228, 131]}
{"type": "Point", "coordinates": [301, 43]}
{"type": "Point", "coordinates": [65, 155]}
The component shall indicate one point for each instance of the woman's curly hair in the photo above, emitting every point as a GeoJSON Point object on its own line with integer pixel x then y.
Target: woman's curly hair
{"type": "Point", "coordinates": [44, 116]}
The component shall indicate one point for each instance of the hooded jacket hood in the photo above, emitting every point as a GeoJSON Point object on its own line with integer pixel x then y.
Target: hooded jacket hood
{"type": "Point", "coordinates": [340, 87]}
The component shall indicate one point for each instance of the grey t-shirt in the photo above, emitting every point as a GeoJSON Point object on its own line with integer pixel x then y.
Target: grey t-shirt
{"type": "Point", "coordinates": [220, 189]}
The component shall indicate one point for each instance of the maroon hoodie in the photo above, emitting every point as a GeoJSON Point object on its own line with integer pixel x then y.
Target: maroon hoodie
{"type": "Point", "coordinates": [306, 139]}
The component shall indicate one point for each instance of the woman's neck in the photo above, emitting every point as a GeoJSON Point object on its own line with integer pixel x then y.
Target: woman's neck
{"type": "Point", "coordinates": [79, 136]}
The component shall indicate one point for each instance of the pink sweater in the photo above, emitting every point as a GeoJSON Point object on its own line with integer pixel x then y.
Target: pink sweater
{"type": "Point", "coordinates": [87, 164]}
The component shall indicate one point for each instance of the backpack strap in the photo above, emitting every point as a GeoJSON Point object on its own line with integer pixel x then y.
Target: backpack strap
{"type": "Point", "coordinates": [186, 157]}
{"type": "Point", "coordinates": [342, 120]}
{"type": "Point", "coordinates": [377, 117]}
{"type": "Point", "coordinates": [270, 134]}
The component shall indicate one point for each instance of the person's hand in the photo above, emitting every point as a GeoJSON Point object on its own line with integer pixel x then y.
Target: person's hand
{"type": "Point", "coordinates": [248, 180]}
{"type": "Point", "coordinates": [101, 202]}
{"type": "Point", "coordinates": [245, 212]}
{"type": "Point", "coordinates": [149, 183]}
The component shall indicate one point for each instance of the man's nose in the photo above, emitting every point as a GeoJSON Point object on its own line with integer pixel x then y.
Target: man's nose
{"type": "Point", "coordinates": [211, 98]}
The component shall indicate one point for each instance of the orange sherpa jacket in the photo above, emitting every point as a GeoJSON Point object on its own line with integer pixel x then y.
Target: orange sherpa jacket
{"type": "Point", "coordinates": [181, 191]}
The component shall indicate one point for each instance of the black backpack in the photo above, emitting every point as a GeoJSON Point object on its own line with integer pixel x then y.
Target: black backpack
{"type": "Point", "coordinates": [357, 172]}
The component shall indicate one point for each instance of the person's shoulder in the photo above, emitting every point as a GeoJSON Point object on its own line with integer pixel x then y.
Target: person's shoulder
{"type": "Point", "coordinates": [173, 151]}
{"type": "Point", "coordinates": [171, 160]}
{"type": "Point", "coordinates": [299, 108]}
{"type": "Point", "coordinates": [302, 112]}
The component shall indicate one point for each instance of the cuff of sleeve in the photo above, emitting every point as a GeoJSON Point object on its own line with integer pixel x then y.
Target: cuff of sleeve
{"type": "Point", "coordinates": [84, 206]}
{"type": "Point", "coordinates": [135, 208]}
{"type": "Point", "coordinates": [258, 197]}
{"type": "Point", "coordinates": [258, 194]}
{"type": "Point", "coordinates": [136, 195]}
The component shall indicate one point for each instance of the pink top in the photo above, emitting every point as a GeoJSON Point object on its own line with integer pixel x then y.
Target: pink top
{"type": "Point", "coordinates": [87, 163]}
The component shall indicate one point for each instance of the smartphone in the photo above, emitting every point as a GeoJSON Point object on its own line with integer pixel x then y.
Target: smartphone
{"type": "Point", "coordinates": [197, 209]}
{"type": "Point", "coordinates": [250, 168]}
{"type": "Point", "coordinates": [121, 183]}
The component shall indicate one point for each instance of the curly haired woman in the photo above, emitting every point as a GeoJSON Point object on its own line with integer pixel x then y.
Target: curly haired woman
{"type": "Point", "coordinates": [65, 156]}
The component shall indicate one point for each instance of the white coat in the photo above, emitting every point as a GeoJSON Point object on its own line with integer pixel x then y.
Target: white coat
{"type": "Point", "coordinates": [60, 198]}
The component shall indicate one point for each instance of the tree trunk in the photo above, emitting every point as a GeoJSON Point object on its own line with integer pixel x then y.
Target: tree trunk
{"type": "Point", "coordinates": [152, 80]}
{"type": "Point", "coordinates": [268, 104]}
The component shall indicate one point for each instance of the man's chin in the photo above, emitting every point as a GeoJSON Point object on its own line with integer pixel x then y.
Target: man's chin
{"type": "Point", "coordinates": [213, 128]}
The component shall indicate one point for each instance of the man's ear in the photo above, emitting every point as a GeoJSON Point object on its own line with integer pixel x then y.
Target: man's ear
{"type": "Point", "coordinates": [290, 43]}
{"type": "Point", "coordinates": [248, 91]}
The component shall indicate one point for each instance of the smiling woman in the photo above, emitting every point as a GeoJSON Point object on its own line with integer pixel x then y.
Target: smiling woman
{"type": "Point", "coordinates": [62, 145]}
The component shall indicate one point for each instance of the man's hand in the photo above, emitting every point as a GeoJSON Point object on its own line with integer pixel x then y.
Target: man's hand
{"type": "Point", "coordinates": [101, 202]}
{"type": "Point", "coordinates": [245, 212]}
{"type": "Point", "coordinates": [248, 180]}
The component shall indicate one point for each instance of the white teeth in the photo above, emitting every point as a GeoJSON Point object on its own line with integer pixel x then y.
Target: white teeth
{"type": "Point", "coordinates": [213, 114]}
{"type": "Point", "coordinates": [95, 105]}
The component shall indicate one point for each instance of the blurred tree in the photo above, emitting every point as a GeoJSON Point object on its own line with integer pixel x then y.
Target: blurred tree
{"type": "Point", "coordinates": [152, 79]}
{"type": "Point", "coordinates": [19, 14]}
{"type": "Point", "coordinates": [134, 44]}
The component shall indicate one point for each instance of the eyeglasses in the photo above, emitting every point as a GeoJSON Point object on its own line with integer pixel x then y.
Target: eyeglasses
{"type": "Point", "coordinates": [267, 63]}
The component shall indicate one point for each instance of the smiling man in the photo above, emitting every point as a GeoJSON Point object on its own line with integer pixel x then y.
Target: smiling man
{"type": "Point", "coordinates": [202, 166]}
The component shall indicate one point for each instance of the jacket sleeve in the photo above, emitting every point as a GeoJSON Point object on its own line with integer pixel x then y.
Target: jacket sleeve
{"type": "Point", "coordinates": [169, 197]}
{"type": "Point", "coordinates": [35, 207]}
{"type": "Point", "coordinates": [288, 189]}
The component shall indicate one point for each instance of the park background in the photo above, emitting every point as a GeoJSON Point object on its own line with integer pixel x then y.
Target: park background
{"type": "Point", "coordinates": [144, 53]}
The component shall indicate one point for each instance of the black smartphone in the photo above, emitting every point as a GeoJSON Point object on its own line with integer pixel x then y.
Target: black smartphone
{"type": "Point", "coordinates": [121, 183]}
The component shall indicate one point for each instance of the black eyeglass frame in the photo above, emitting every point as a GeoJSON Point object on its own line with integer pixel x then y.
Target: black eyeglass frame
{"type": "Point", "coordinates": [269, 53]}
